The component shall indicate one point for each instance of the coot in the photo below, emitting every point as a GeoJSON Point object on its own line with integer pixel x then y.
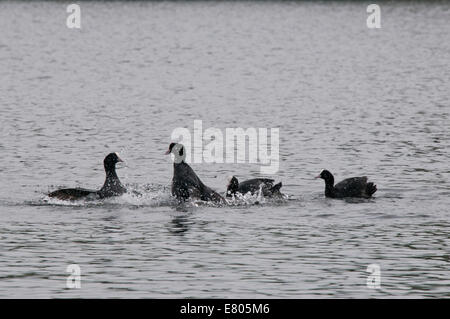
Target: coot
{"type": "Point", "coordinates": [111, 187]}
{"type": "Point", "coordinates": [253, 185]}
{"type": "Point", "coordinates": [350, 187]}
{"type": "Point", "coordinates": [185, 183]}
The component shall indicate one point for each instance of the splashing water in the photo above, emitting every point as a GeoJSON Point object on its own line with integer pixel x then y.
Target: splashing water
{"type": "Point", "coordinates": [153, 195]}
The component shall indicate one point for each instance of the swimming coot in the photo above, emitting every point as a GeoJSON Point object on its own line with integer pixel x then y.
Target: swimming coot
{"type": "Point", "coordinates": [111, 187]}
{"type": "Point", "coordinates": [350, 187]}
{"type": "Point", "coordinates": [253, 185]}
{"type": "Point", "coordinates": [185, 183]}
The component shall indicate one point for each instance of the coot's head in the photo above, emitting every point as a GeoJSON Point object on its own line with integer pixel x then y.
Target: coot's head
{"type": "Point", "coordinates": [111, 160]}
{"type": "Point", "coordinates": [178, 151]}
{"type": "Point", "coordinates": [327, 176]}
{"type": "Point", "coordinates": [170, 148]}
{"type": "Point", "coordinates": [232, 187]}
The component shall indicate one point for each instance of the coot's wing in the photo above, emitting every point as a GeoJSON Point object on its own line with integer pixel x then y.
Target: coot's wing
{"type": "Point", "coordinates": [207, 194]}
{"type": "Point", "coordinates": [351, 187]}
{"type": "Point", "coordinates": [71, 193]}
{"type": "Point", "coordinates": [194, 188]}
{"type": "Point", "coordinates": [185, 182]}
{"type": "Point", "coordinates": [200, 190]}
{"type": "Point", "coordinates": [253, 185]}
{"type": "Point", "coordinates": [187, 176]}
{"type": "Point", "coordinates": [276, 189]}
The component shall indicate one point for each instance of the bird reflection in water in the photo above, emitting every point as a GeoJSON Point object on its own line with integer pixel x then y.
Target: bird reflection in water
{"type": "Point", "coordinates": [179, 224]}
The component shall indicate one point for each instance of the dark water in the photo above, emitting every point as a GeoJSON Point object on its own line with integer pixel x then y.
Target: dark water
{"type": "Point", "coordinates": [347, 98]}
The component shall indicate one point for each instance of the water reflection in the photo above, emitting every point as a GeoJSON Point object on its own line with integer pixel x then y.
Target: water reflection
{"type": "Point", "coordinates": [180, 224]}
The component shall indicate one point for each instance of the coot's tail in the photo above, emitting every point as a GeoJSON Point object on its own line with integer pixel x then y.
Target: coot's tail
{"type": "Point", "coordinates": [371, 189]}
{"type": "Point", "coordinates": [276, 188]}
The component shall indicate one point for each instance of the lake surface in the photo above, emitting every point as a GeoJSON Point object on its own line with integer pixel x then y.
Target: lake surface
{"type": "Point", "coordinates": [354, 100]}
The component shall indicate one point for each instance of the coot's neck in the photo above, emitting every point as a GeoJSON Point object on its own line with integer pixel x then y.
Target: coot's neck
{"type": "Point", "coordinates": [175, 164]}
{"type": "Point", "coordinates": [112, 185]}
{"type": "Point", "coordinates": [233, 187]}
{"type": "Point", "coordinates": [110, 170]}
{"type": "Point", "coordinates": [329, 186]}
{"type": "Point", "coordinates": [329, 190]}
{"type": "Point", "coordinates": [112, 180]}
{"type": "Point", "coordinates": [231, 191]}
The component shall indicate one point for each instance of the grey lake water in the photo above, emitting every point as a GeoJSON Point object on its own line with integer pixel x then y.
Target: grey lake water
{"type": "Point", "coordinates": [354, 100]}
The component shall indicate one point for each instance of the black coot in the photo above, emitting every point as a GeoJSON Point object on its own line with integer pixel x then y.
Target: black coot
{"type": "Point", "coordinates": [185, 183]}
{"type": "Point", "coordinates": [253, 186]}
{"type": "Point", "coordinates": [350, 187]}
{"type": "Point", "coordinates": [111, 187]}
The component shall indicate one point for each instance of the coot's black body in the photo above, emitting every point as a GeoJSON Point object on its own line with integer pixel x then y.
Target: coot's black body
{"type": "Point", "coordinates": [111, 187]}
{"type": "Point", "coordinates": [253, 185]}
{"type": "Point", "coordinates": [350, 187]}
{"type": "Point", "coordinates": [185, 183]}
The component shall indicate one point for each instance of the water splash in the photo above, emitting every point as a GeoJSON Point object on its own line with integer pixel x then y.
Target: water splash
{"type": "Point", "coordinates": [153, 195]}
{"type": "Point", "coordinates": [147, 195]}
{"type": "Point", "coordinates": [257, 198]}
